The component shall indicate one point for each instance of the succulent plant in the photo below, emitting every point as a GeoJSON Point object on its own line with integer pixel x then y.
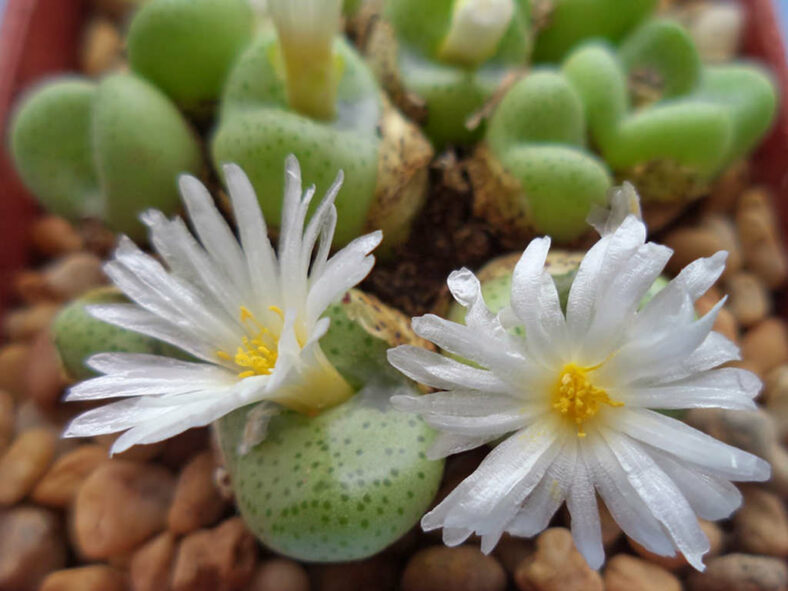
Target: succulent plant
{"type": "Point", "coordinates": [533, 172]}
{"type": "Point", "coordinates": [450, 56]}
{"type": "Point", "coordinates": [106, 150]}
{"type": "Point", "coordinates": [273, 106]}
{"type": "Point", "coordinates": [186, 47]}
{"type": "Point", "coordinates": [78, 335]}
{"type": "Point", "coordinates": [661, 120]}
{"type": "Point", "coordinates": [345, 484]}
{"type": "Point", "coordinates": [562, 24]}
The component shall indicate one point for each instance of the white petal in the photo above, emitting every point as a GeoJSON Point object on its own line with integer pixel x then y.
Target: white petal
{"type": "Point", "coordinates": [718, 388]}
{"type": "Point", "coordinates": [447, 444]}
{"type": "Point", "coordinates": [441, 372]}
{"type": "Point", "coordinates": [585, 525]}
{"type": "Point", "coordinates": [711, 497]}
{"type": "Point", "coordinates": [535, 301]}
{"type": "Point", "coordinates": [663, 497]}
{"type": "Point", "coordinates": [691, 445]}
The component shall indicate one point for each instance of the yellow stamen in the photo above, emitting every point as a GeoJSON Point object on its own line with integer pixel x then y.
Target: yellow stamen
{"type": "Point", "coordinates": [257, 354]}
{"type": "Point", "coordinates": [576, 398]}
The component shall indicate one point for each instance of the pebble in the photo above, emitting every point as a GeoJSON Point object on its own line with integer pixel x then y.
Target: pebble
{"type": "Point", "coordinates": [31, 546]}
{"type": "Point", "coordinates": [221, 559]}
{"type": "Point", "coordinates": [71, 276]}
{"type": "Point", "coordinates": [762, 247]}
{"type": "Point", "coordinates": [378, 573]}
{"type": "Point", "coordinates": [119, 506]}
{"type": "Point", "coordinates": [690, 243]}
{"type": "Point", "coordinates": [278, 574]}
{"type": "Point", "coordinates": [775, 397]}
{"type": "Point", "coordinates": [624, 572]}
{"type": "Point", "coordinates": [670, 563]}
{"type": "Point", "coordinates": [13, 361]}
{"type": "Point", "coordinates": [557, 566]}
{"type": "Point", "coordinates": [725, 230]}
{"type": "Point", "coordinates": [761, 524]}
{"type": "Point", "coordinates": [44, 377]}
{"type": "Point", "coordinates": [60, 484]}
{"type": "Point", "coordinates": [716, 538]}
{"type": "Point", "coordinates": [766, 345]}
{"type": "Point", "coordinates": [25, 323]}
{"type": "Point", "coordinates": [749, 300]}
{"type": "Point", "coordinates": [53, 236]}
{"type": "Point", "coordinates": [751, 430]}
{"type": "Point", "coordinates": [24, 463]}
{"type": "Point", "coordinates": [741, 572]}
{"type": "Point", "coordinates": [727, 188]}
{"type": "Point", "coordinates": [102, 47]}
{"type": "Point", "coordinates": [778, 458]}
{"type": "Point", "coordinates": [6, 420]}
{"type": "Point", "coordinates": [151, 566]}
{"type": "Point", "coordinates": [85, 578]}
{"type": "Point", "coordinates": [137, 453]}
{"type": "Point", "coordinates": [463, 568]}
{"type": "Point", "coordinates": [511, 551]}
{"type": "Point", "coordinates": [196, 502]}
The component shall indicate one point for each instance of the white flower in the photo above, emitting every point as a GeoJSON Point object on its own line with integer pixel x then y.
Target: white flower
{"type": "Point", "coordinates": [577, 393]}
{"type": "Point", "coordinates": [252, 319]}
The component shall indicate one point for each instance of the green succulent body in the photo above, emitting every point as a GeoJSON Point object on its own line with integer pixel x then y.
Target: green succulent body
{"type": "Point", "coordinates": [257, 130]}
{"type": "Point", "coordinates": [107, 150]}
{"type": "Point", "coordinates": [452, 93]}
{"type": "Point", "coordinates": [345, 484]}
{"type": "Point", "coordinates": [78, 336]}
{"type": "Point", "coordinates": [186, 47]}
{"type": "Point", "coordinates": [569, 22]}
{"type": "Point", "coordinates": [699, 120]}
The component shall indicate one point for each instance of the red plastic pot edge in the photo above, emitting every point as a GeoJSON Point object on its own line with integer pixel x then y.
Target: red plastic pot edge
{"type": "Point", "coordinates": [41, 37]}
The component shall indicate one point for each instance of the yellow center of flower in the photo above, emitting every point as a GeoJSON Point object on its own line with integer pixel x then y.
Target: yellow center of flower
{"type": "Point", "coordinates": [257, 354]}
{"type": "Point", "coordinates": [576, 398]}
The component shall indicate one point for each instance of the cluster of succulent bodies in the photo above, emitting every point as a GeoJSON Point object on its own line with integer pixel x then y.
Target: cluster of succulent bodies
{"type": "Point", "coordinates": [552, 102]}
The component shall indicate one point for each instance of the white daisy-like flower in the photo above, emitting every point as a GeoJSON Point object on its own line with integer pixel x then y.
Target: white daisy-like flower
{"type": "Point", "coordinates": [577, 395]}
{"type": "Point", "coordinates": [251, 319]}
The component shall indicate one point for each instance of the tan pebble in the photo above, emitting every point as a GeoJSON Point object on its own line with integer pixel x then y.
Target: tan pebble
{"type": "Point", "coordinates": [715, 536]}
{"type": "Point", "coordinates": [13, 362]}
{"type": "Point", "coordinates": [751, 430]}
{"type": "Point", "coordinates": [53, 236]}
{"type": "Point", "coordinates": [73, 275]}
{"type": "Point", "coordinates": [766, 345]}
{"type": "Point", "coordinates": [31, 546]}
{"type": "Point", "coordinates": [151, 565]}
{"type": "Point", "coordinates": [197, 502]}
{"type": "Point", "coordinates": [670, 563]}
{"type": "Point", "coordinates": [96, 577]}
{"type": "Point", "coordinates": [25, 323]}
{"type": "Point", "coordinates": [137, 453]}
{"type": "Point", "coordinates": [119, 506]}
{"type": "Point", "coordinates": [761, 524]}
{"type": "Point", "coordinates": [511, 551]}
{"type": "Point", "coordinates": [279, 574]}
{"type": "Point", "coordinates": [44, 379]}
{"type": "Point", "coordinates": [724, 229]}
{"type": "Point", "coordinates": [221, 559]}
{"type": "Point", "coordinates": [557, 566]}
{"type": "Point", "coordinates": [184, 446]}
{"type": "Point", "coordinates": [726, 189]}
{"type": "Point", "coordinates": [31, 287]}
{"type": "Point", "coordinates": [59, 486]}
{"type": "Point", "coordinates": [24, 463]}
{"type": "Point", "coordinates": [749, 299]}
{"type": "Point", "coordinates": [741, 572]}
{"type": "Point", "coordinates": [378, 573]}
{"type": "Point", "coordinates": [690, 243]}
{"type": "Point", "coordinates": [759, 236]}
{"type": "Point", "coordinates": [6, 420]}
{"type": "Point", "coordinates": [725, 323]}
{"type": "Point", "coordinates": [625, 572]}
{"type": "Point", "coordinates": [778, 458]}
{"type": "Point", "coordinates": [775, 397]}
{"type": "Point", "coordinates": [102, 47]}
{"type": "Point", "coordinates": [611, 532]}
